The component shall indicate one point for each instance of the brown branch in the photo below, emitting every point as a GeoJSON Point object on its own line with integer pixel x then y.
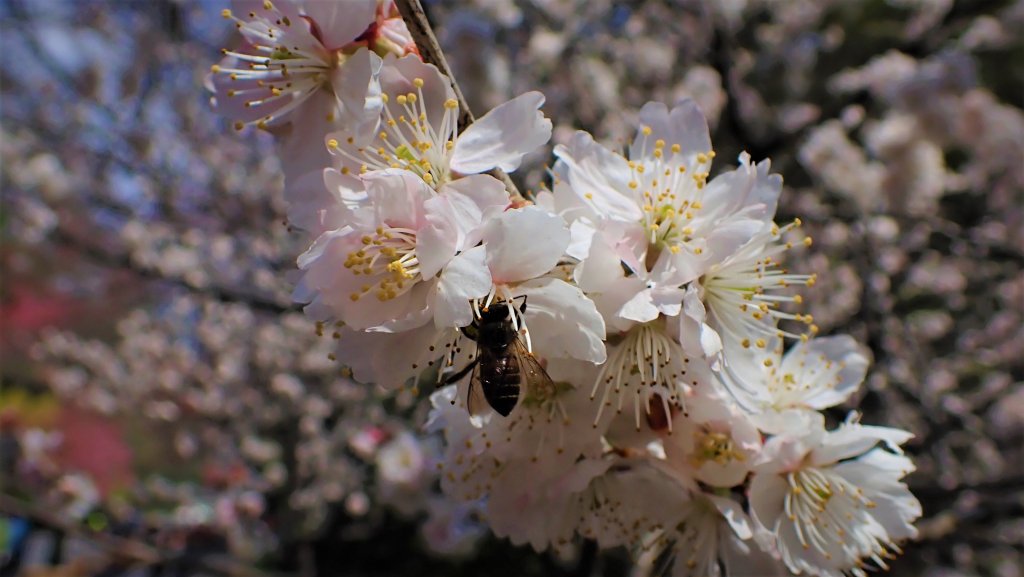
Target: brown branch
{"type": "Point", "coordinates": [426, 41]}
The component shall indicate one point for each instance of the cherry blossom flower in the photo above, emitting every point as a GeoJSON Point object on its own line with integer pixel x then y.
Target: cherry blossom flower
{"type": "Point", "coordinates": [831, 502]}
{"type": "Point", "coordinates": [738, 298]}
{"type": "Point", "coordinates": [302, 61]}
{"type": "Point", "coordinates": [402, 257]}
{"type": "Point", "coordinates": [419, 129]}
{"type": "Point", "coordinates": [714, 442]}
{"type": "Point", "coordinates": [714, 539]}
{"type": "Point", "coordinates": [673, 223]}
{"type": "Point", "coordinates": [784, 392]}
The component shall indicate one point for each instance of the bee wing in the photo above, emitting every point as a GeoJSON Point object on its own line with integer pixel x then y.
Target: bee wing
{"type": "Point", "coordinates": [475, 401]}
{"type": "Point", "coordinates": [534, 377]}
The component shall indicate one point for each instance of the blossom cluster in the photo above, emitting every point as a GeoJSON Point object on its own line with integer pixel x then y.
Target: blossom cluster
{"type": "Point", "coordinates": [665, 393]}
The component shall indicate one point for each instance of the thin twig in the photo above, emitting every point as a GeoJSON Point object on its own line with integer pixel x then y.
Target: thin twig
{"type": "Point", "coordinates": [426, 41]}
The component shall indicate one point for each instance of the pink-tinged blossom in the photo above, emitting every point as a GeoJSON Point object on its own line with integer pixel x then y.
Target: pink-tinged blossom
{"type": "Point", "coordinates": [402, 257]}
{"type": "Point", "coordinates": [305, 69]}
{"type": "Point", "coordinates": [832, 503]}
{"type": "Point", "coordinates": [301, 60]}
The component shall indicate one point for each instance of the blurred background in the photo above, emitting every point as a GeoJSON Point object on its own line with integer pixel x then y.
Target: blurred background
{"type": "Point", "coordinates": [165, 409]}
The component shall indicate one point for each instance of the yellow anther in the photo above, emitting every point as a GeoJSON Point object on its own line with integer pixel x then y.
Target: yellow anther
{"type": "Point", "coordinates": [646, 130]}
{"type": "Point", "coordinates": [385, 98]}
{"type": "Point", "coordinates": [428, 178]}
{"type": "Point", "coordinates": [798, 299]}
{"type": "Point", "coordinates": [411, 97]}
{"type": "Point", "coordinates": [808, 241]}
{"type": "Point", "coordinates": [760, 343]}
{"type": "Point", "coordinates": [402, 100]}
{"type": "Point", "coordinates": [332, 144]}
{"type": "Point", "coordinates": [354, 297]}
{"type": "Point", "coordinates": [768, 362]}
{"type": "Point", "coordinates": [417, 82]}
{"type": "Point", "coordinates": [451, 104]}
{"type": "Point", "coordinates": [226, 13]}
{"type": "Point", "coordinates": [745, 343]}
{"type": "Point", "coordinates": [702, 158]}
{"type": "Point", "coordinates": [659, 143]}
{"type": "Point", "coordinates": [657, 153]}
{"type": "Point", "coordinates": [267, 5]}
{"type": "Point", "coordinates": [634, 184]}
{"type": "Point", "coordinates": [676, 148]}
{"type": "Point", "coordinates": [215, 68]}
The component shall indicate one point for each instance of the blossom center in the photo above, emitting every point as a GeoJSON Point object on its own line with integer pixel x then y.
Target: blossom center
{"type": "Point", "coordinates": [826, 510]}
{"type": "Point", "coordinates": [644, 364]}
{"type": "Point", "coordinates": [715, 446]}
{"type": "Point", "coordinates": [671, 189]}
{"type": "Point", "coordinates": [407, 139]}
{"type": "Point", "coordinates": [388, 259]}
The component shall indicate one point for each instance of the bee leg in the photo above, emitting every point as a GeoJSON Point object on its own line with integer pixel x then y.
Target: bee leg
{"type": "Point", "coordinates": [457, 376]}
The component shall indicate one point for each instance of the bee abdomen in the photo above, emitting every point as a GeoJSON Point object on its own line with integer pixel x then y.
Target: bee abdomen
{"type": "Point", "coordinates": [502, 388]}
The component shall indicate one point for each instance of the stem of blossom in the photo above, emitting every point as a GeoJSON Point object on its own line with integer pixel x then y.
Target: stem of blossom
{"type": "Point", "coordinates": [426, 41]}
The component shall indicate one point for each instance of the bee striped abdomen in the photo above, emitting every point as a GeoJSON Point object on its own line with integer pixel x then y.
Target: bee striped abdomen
{"type": "Point", "coordinates": [500, 377]}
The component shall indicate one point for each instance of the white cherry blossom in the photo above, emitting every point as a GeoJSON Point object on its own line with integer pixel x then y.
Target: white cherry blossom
{"type": "Point", "coordinates": [785, 391]}
{"type": "Point", "coordinates": [738, 299]}
{"type": "Point", "coordinates": [677, 222]}
{"type": "Point", "coordinates": [713, 441]}
{"type": "Point", "coordinates": [419, 129]}
{"type": "Point", "coordinates": [832, 503]}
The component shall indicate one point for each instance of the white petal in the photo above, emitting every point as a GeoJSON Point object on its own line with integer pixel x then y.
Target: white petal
{"type": "Point", "coordinates": [599, 177]}
{"type": "Point", "coordinates": [640, 308]}
{"type": "Point", "coordinates": [474, 199]}
{"type": "Point", "coordinates": [397, 196]}
{"type": "Point", "coordinates": [341, 22]}
{"type": "Point", "coordinates": [852, 440]}
{"type": "Point", "coordinates": [437, 241]}
{"type": "Point", "coordinates": [301, 142]}
{"type": "Point", "coordinates": [503, 136]}
{"type": "Point", "coordinates": [831, 369]}
{"type": "Point", "coordinates": [312, 206]}
{"type": "Point", "coordinates": [684, 125]}
{"type": "Point", "coordinates": [766, 494]}
{"type": "Point", "coordinates": [357, 86]}
{"type": "Point", "coordinates": [466, 277]}
{"type": "Point", "coordinates": [524, 243]}
{"type": "Point", "coordinates": [563, 322]}
{"type": "Point", "coordinates": [734, 516]}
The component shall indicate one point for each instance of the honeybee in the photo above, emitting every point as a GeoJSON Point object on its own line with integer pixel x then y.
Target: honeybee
{"type": "Point", "coordinates": [503, 364]}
